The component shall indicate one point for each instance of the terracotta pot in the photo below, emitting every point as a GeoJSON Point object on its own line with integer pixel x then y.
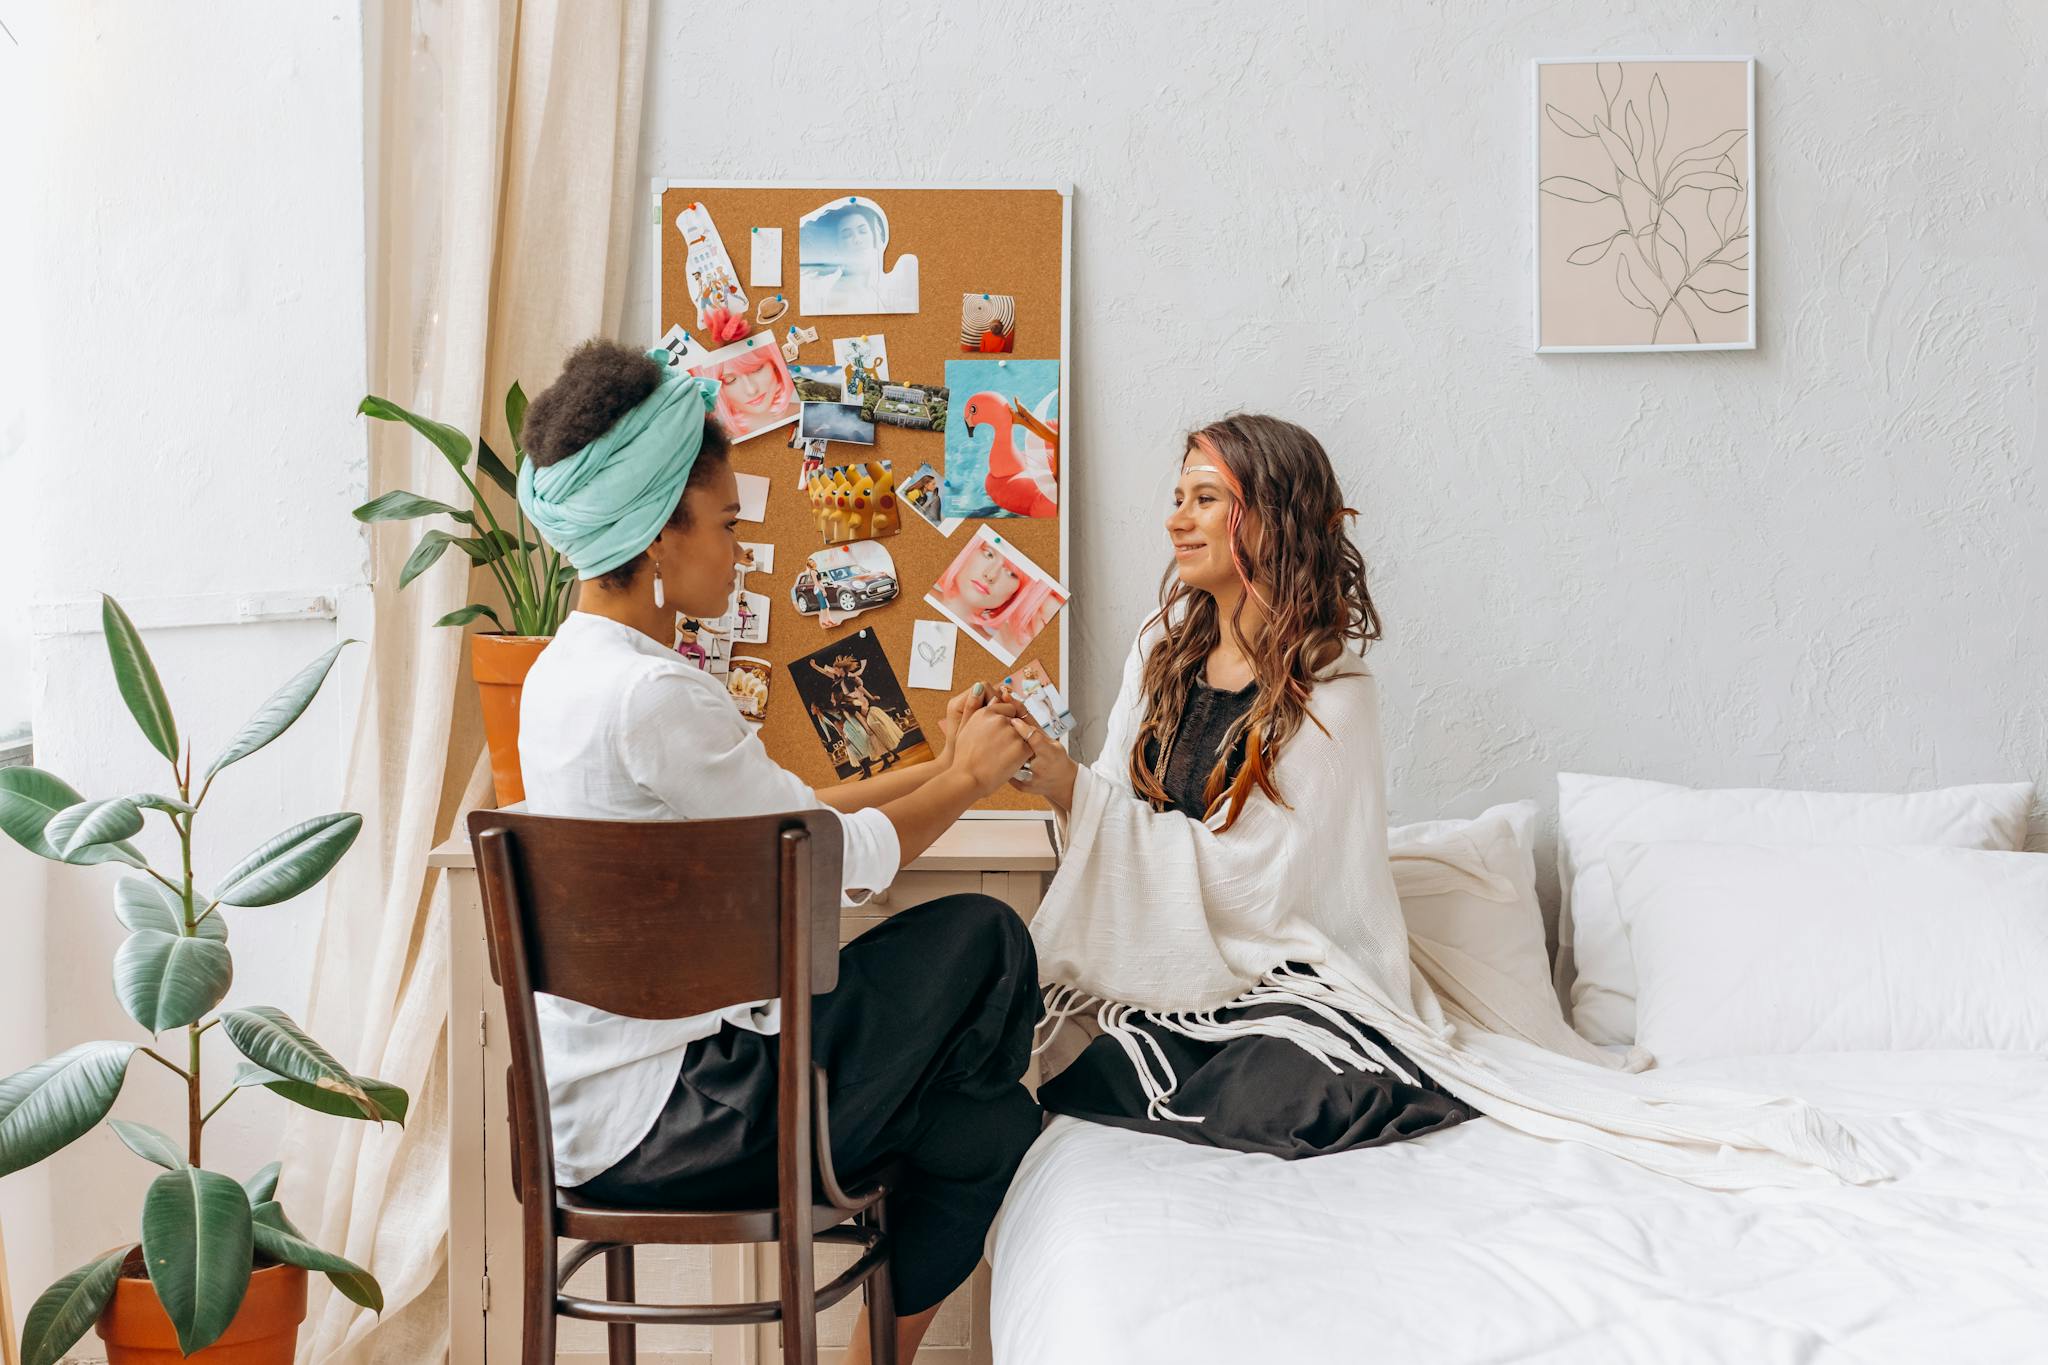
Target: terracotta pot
{"type": "Point", "coordinates": [265, 1330]}
{"type": "Point", "coordinates": [499, 663]}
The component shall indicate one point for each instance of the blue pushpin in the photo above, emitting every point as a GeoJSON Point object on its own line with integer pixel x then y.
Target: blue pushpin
{"type": "Point", "coordinates": [984, 296]}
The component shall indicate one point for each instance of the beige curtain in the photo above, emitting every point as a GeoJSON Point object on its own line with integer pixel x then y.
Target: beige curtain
{"type": "Point", "coordinates": [500, 148]}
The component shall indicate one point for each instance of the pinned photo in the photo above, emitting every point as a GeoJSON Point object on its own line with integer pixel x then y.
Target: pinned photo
{"type": "Point", "coordinates": [863, 363]}
{"type": "Point", "coordinates": [918, 407]}
{"type": "Point", "coordinates": [749, 617]}
{"type": "Point", "coordinates": [682, 348]}
{"type": "Point", "coordinates": [701, 644]}
{"type": "Point", "coordinates": [756, 392]}
{"type": "Point", "coordinates": [1003, 438]}
{"type": "Point", "coordinates": [1031, 688]}
{"type": "Point", "coordinates": [764, 264]}
{"type": "Point", "coordinates": [854, 501]}
{"type": "Point", "coordinates": [857, 707]}
{"type": "Point", "coordinates": [996, 594]}
{"type": "Point", "coordinates": [923, 496]}
{"type": "Point", "coordinates": [840, 248]}
{"type": "Point", "coordinates": [835, 422]}
{"type": "Point", "coordinates": [817, 384]}
{"type": "Point", "coordinates": [840, 582]}
{"type": "Point", "coordinates": [988, 323]}
{"type": "Point", "coordinates": [747, 682]}
{"type": "Point", "coordinates": [707, 269]}
{"type": "Point", "coordinates": [753, 490]}
{"type": "Point", "coordinates": [931, 654]}
{"type": "Point", "coordinates": [746, 615]}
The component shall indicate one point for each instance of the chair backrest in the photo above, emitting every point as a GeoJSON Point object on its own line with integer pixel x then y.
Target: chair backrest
{"type": "Point", "coordinates": [661, 919]}
{"type": "Point", "coordinates": [658, 920]}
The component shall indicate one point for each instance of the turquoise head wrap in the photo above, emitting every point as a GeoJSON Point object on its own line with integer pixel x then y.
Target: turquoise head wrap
{"type": "Point", "coordinates": [608, 501]}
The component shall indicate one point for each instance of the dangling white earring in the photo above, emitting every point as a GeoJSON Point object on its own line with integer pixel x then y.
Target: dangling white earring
{"type": "Point", "coordinates": [659, 601]}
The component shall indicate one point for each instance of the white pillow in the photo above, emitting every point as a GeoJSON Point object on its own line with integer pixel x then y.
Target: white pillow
{"type": "Point", "coordinates": [1594, 813]}
{"type": "Point", "coordinates": [1468, 892]}
{"type": "Point", "coordinates": [1744, 951]}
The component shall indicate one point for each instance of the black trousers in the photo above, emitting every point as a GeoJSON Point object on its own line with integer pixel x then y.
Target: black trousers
{"type": "Point", "coordinates": [1257, 1093]}
{"type": "Point", "coordinates": [925, 1040]}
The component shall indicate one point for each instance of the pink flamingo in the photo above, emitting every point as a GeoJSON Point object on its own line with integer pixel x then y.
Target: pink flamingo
{"type": "Point", "coordinates": [1022, 481]}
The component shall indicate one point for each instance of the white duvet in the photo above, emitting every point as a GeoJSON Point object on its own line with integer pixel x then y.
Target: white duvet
{"type": "Point", "coordinates": [1482, 1244]}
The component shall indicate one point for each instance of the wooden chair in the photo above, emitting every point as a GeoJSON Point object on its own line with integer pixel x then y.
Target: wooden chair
{"type": "Point", "coordinates": [661, 920]}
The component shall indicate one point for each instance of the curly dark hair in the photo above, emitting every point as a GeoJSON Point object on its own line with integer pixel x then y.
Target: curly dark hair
{"type": "Point", "coordinates": [601, 382]}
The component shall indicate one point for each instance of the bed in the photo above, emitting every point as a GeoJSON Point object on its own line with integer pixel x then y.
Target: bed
{"type": "Point", "coordinates": [1482, 1244]}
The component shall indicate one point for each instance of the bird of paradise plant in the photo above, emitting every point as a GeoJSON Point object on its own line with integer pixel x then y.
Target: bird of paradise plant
{"type": "Point", "coordinates": [1683, 239]}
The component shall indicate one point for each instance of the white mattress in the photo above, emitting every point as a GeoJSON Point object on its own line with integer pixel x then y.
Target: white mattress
{"type": "Point", "coordinates": [1480, 1244]}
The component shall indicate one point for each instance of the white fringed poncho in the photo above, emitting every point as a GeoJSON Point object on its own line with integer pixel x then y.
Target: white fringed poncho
{"type": "Point", "coordinates": [1156, 916]}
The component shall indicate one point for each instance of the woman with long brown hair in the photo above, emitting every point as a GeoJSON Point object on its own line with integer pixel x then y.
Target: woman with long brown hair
{"type": "Point", "coordinates": [1263, 615]}
{"type": "Point", "coordinates": [1226, 908]}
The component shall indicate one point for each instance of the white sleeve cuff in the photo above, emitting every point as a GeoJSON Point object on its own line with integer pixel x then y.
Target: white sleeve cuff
{"type": "Point", "coordinates": [872, 854]}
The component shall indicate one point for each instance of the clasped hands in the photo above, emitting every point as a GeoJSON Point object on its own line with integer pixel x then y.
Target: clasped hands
{"type": "Point", "coordinates": [992, 739]}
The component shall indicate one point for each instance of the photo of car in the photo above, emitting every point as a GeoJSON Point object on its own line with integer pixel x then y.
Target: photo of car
{"type": "Point", "coordinates": [845, 580]}
{"type": "Point", "coordinates": [843, 590]}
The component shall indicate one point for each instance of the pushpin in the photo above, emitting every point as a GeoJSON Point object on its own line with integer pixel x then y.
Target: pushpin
{"type": "Point", "coordinates": [984, 296]}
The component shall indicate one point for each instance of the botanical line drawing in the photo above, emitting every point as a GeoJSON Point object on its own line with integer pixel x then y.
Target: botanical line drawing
{"type": "Point", "coordinates": [1683, 241]}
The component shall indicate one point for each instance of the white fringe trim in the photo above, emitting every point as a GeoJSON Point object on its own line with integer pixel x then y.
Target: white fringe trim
{"type": "Point", "coordinates": [1338, 1044]}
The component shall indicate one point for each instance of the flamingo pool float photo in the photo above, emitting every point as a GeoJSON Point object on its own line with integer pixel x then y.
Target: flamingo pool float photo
{"type": "Point", "coordinates": [1023, 474]}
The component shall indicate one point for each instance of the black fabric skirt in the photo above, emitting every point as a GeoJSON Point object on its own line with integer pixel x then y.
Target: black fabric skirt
{"type": "Point", "coordinates": [1256, 1093]}
{"type": "Point", "coordinates": [926, 1040]}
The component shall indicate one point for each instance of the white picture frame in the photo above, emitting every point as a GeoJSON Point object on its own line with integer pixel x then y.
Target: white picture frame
{"type": "Point", "coordinates": [1574, 313]}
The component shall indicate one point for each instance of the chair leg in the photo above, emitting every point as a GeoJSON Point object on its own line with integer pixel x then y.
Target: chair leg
{"type": "Point", "coordinates": [881, 1295]}
{"type": "Point", "coordinates": [537, 1297]}
{"type": "Point", "coordinates": [618, 1287]}
{"type": "Point", "coordinates": [799, 1296]}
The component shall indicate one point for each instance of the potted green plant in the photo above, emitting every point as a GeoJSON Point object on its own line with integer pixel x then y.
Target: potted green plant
{"type": "Point", "coordinates": [220, 1272]}
{"type": "Point", "coordinates": [536, 584]}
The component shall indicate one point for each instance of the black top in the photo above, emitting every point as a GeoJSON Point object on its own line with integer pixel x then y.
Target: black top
{"type": "Point", "coordinates": [1205, 722]}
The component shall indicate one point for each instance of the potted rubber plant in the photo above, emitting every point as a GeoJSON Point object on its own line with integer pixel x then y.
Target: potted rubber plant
{"type": "Point", "coordinates": [535, 582]}
{"type": "Point", "coordinates": [219, 1272]}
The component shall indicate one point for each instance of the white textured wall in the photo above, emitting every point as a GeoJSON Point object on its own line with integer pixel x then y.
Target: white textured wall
{"type": "Point", "coordinates": [1818, 563]}
{"type": "Point", "coordinates": [1824, 562]}
{"type": "Point", "coordinates": [194, 344]}
{"type": "Point", "coordinates": [16, 270]}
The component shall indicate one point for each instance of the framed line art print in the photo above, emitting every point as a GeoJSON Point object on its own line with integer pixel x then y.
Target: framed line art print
{"type": "Point", "coordinates": [1643, 195]}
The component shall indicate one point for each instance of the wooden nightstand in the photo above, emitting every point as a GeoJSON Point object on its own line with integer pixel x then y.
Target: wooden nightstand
{"type": "Point", "coordinates": [1010, 859]}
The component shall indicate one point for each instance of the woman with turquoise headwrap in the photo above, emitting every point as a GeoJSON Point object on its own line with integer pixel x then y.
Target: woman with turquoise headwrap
{"type": "Point", "coordinates": [929, 1032]}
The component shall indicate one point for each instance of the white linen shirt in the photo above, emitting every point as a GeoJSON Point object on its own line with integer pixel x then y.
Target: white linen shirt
{"type": "Point", "coordinates": [612, 726]}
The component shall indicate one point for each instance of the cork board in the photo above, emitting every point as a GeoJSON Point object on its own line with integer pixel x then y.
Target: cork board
{"type": "Point", "coordinates": [996, 240]}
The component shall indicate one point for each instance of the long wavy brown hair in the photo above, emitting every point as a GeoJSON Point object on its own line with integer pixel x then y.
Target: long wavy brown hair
{"type": "Point", "coordinates": [1307, 580]}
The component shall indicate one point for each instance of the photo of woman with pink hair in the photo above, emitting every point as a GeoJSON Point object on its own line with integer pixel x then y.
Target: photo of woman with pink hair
{"type": "Point", "coordinates": [997, 595]}
{"type": "Point", "coordinates": [756, 391]}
